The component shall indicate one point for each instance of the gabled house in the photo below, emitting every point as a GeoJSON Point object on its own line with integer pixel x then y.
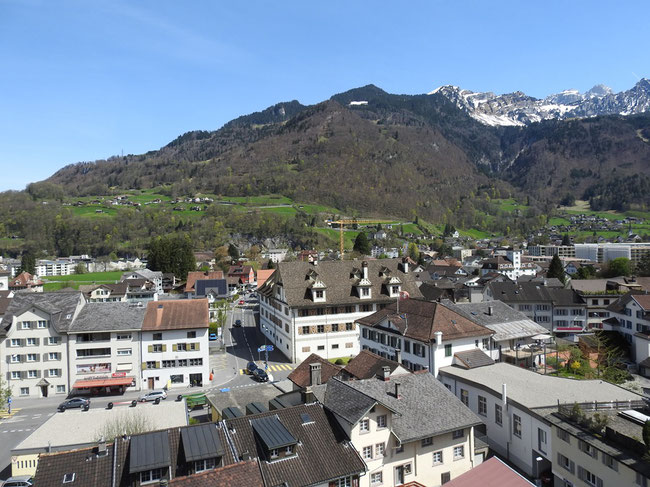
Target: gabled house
{"type": "Point", "coordinates": [630, 316]}
{"type": "Point", "coordinates": [511, 265]}
{"type": "Point", "coordinates": [26, 281]}
{"type": "Point", "coordinates": [308, 307]}
{"type": "Point", "coordinates": [422, 335]}
{"type": "Point", "coordinates": [156, 277]}
{"type": "Point", "coordinates": [193, 276]}
{"type": "Point", "coordinates": [174, 344]}
{"type": "Point", "coordinates": [245, 273]}
{"type": "Point", "coordinates": [399, 444]}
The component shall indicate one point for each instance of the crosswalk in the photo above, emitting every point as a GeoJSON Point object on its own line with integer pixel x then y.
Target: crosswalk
{"type": "Point", "coordinates": [273, 368]}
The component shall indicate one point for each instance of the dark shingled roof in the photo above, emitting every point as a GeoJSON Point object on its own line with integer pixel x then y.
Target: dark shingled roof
{"type": "Point", "coordinates": [418, 392]}
{"type": "Point", "coordinates": [108, 317]}
{"type": "Point", "coordinates": [344, 401]}
{"type": "Point", "coordinates": [238, 474]}
{"type": "Point", "coordinates": [340, 278]}
{"type": "Point", "coordinates": [204, 286]}
{"type": "Point", "coordinates": [420, 320]}
{"type": "Point", "coordinates": [60, 306]}
{"type": "Point", "coordinates": [471, 359]}
{"type": "Point", "coordinates": [322, 452]}
{"type": "Point", "coordinates": [368, 364]}
{"type": "Point", "coordinates": [149, 451]}
{"type": "Point", "coordinates": [193, 276]}
{"type": "Point", "coordinates": [301, 375]}
{"type": "Point", "coordinates": [531, 292]}
{"type": "Point", "coordinates": [90, 470]}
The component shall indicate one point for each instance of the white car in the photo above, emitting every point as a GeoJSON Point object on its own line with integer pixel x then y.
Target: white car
{"type": "Point", "coordinates": [152, 396]}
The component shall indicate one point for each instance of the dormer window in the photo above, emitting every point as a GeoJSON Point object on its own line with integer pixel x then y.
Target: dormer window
{"type": "Point", "coordinates": [277, 440]}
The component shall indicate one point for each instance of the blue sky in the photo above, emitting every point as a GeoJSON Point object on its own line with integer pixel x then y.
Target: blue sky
{"type": "Point", "coordinates": [83, 80]}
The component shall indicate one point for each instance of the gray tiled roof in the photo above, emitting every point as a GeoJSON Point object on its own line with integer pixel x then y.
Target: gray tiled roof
{"type": "Point", "coordinates": [533, 390]}
{"type": "Point", "coordinates": [507, 323]}
{"type": "Point", "coordinates": [109, 316]}
{"type": "Point", "coordinates": [339, 277]}
{"type": "Point", "coordinates": [473, 358]}
{"type": "Point", "coordinates": [531, 292]}
{"type": "Point", "coordinates": [418, 393]}
{"type": "Point", "coordinates": [60, 305]}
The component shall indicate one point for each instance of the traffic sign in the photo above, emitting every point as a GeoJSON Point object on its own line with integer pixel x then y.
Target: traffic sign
{"type": "Point", "coordinates": [9, 399]}
{"type": "Point", "coordinates": [269, 348]}
{"type": "Point", "coordinates": [262, 348]}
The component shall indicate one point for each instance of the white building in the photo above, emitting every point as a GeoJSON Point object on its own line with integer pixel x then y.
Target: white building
{"type": "Point", "coordinates": [104, 347]}
{"type": "Point", "coordinates": [604, 252]}
{"type": "Point", "coordinates": [422, 335]}
{"type": "Point", "coordinates": [308, 307]}
{"type": "Point", "coordinates": [511, 265]}
{"type": "Point", "coordinates": [406, 429]}
{"type": "Point", "coordinates": [35, 352]}
{"type": "Point", "coordinates": [513, 403]}
{"type": "Point", "coordinates": [60, 267]}
{"type": "Point", "coordinates": [174, 344]}
{"type": "Point", "coordinates": [156, 277]}
{"type": "Point", "coordinates": [630, 316]}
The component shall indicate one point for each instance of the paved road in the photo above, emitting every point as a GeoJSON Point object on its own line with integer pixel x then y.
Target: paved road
{"type": "Point", "coordinates": [241, 347]}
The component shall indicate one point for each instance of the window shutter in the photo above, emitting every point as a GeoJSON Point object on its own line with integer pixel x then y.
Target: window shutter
{"type": "Point", "coordinates": [164, 348]}
{"type": "Point", "coordinates": [157, 365]}
{"type": "Point", "coordinates": [144, 365]}
{"type": "Point", "coordinates": [38, 341]}
{"type": "Point", "coordinates": [23, 374]}
{"type": "Point", "coordinates": [197, 346]}
{"type": "Point", "coordinates": [38, 373]}
{"type": "Point", "coordinates": [38, 357]}
{"type": "Point", "coordinates": [175, 347]}
{"type": "Point", "coordinates": [599, 482]}
{"type": "Point", "coordinates": [580, 473]}
{"type": "Point", "coordinates": [45, 357]}
{"type": "Point", "coordinates": [150, 348]}
{"type": "Point", "coordinates": [572, 466]}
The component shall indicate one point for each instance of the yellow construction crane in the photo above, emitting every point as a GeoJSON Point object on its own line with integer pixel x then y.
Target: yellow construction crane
{"type": "Point", "coordinates": [355, 222]}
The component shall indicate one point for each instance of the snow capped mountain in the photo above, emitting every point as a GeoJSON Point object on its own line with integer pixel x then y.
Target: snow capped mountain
{"type": "Point", "coordinates": [519, 109]}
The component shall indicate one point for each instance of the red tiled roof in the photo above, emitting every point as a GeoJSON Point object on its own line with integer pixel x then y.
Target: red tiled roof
{"type": "Point", "coordinates": [24, 279]}
{"type": "Point", "coordinates": [243, 473]}
{"type": "Point", "coordinates": [301, 375]}
{"type": "Point", "coordinates": [491, 473]}
{"type": "Point", "coordinates": [367, 365]}
{"type": "Point", "coordinates": [643, 300]}
{"type": "Point", "coordinates": [176, 314]}
{"type": "Point", "coordinates": [263, 275]}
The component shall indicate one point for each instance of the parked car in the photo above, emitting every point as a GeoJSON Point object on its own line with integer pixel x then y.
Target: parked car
{"type": "Point", "coordinates": [75, 402]}
{"type": "Point", "coordinates": [19, 481]}
{"type": "Point", "coordinates": [260, 375]}
{"type": "Point", "coordinates": [241, 301]}
{"type": "Point", "coordinates": [213, 337]}
{"type": "Point", "coordinates": [152, 396]}
{"type": "Point", "coordinates": [237, 323]}
{"type": "Point", "coordinates": [251, 367]}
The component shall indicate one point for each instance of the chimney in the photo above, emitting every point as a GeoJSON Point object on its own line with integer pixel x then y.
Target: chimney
{"type": "Point", "coordinates": [490, 310]}
{"type": "Point", "coordinates": [245, 456]}
{"type": "Point", "coordinates": [364, 268]}
{"type": "Point", "coordinates": [398, 388]}
{"type": "Point", "coordinates": [438, 336]}
{"type": "Point", "coordinates": [405, 264]}
{"type": "Point", "coordinates": [504, 397]}
{"type": "Point", "coordinates": [386, 372]}
{"type": "Point", "coordinates": [101, 447]}
{"type": "Point", "coordinates": [314, 374]}
{"type": "Point", "coordinates": [398, 356]}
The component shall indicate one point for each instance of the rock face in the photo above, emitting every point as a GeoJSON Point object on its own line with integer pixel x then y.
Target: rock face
{"type": "Point", "coordinates": [519, 109]}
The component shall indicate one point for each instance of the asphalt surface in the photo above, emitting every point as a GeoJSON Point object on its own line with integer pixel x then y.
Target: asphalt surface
{"type": "Point", "coordinates": [226, 362]}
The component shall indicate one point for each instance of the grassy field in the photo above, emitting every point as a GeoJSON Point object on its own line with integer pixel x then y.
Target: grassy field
{"type": "Point", "coordinates": [90, 277]}
{"type": "Point", "coordinates": [509, 205]}
{"type": "Point", "coordinates": [475, 234]}
{"type": "Point", "coordinates": [91, 211]}
{"type": "Point", "coordinates": [411, 228]}
{"type": "Point", "coordinates": [282, 210]}
{"type": "Point", "coordinates": [333, 234]}
{"type": "Point", "coordinates": [263, 200]}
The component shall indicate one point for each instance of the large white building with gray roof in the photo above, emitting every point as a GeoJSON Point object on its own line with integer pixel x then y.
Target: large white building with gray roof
{"type": "Point", "coordinates": [513, 402]}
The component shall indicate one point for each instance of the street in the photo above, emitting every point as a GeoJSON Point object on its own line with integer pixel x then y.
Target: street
{"type": "Point", "coordinates": [228, 366]}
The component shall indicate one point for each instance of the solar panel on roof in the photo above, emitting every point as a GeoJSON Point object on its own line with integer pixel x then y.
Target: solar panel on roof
{"type": "Point", "coordinates": [306, 418]}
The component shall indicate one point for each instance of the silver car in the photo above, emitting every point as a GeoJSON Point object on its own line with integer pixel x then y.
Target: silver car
{"type": "Point", "coordinates": [152, 396]}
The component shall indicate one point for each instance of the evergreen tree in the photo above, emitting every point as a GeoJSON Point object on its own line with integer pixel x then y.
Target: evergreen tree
{"type": "Point", "coordinates": [566, 240]}
{"type": "Point", "coordinates": [233, 251]}
{"type": "Point", "coordinates": [28, 262]}
{"type": "Point", "coordinates": [643, 267]}
{"type": "Point", "coordinates": [270, 265]}
{"type": "Point", "coordinates": [361, 244]}
{"type": "Point", "coordinates": [556, 269]}
{"type": "Point", "coordinates": [173, 254]}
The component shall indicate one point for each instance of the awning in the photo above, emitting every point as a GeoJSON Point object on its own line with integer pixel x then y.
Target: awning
{"type": "Point", "coordinates": [124, 366]}
{"type": "Point", "coordinates": [42, 383]}
{"type": "Point", "coordinates": [113, 381]}
{"type": "Point", "coordinates": [541, 337]}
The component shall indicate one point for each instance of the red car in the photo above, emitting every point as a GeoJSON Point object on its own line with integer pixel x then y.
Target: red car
{"type": "Point", "coordinates": [241, 301]}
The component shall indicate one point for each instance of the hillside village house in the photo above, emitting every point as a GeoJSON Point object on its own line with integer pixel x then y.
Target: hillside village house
{"type": "Point", "coordinates": [174, 344]}
{"type": "Point", "coordinates": [308, 307]}
{"type": "Point", "coordinates": [630, 316]}
{"type": "Point", "coordinates": [423, 335]}
{"type": "Point", "coordinates": [557, 309]}
{"type": "Point", "coordinates": [156, 277]}
{"type": "Point", "coordinates": [245, 273]}
{"type": "Point", "coordinates": [26, 281]}
{"type": "Point", "coordinates": [511, 265]}
{"type": "Point", "coordinates": [384, 420]}
{"type": "Point", "coordinates": [194, 276]}
{"type": "Point", "coordinates": [513, 403]}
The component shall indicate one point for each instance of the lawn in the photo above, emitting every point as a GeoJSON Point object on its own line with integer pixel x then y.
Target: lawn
{"type": "Point", "coordinates": [475, 234]}
{"type": "Point", "coordinates": [411, 228]}
{"type": "Point", "coordinates": [281, 210]}
{"type": "Point", "coordinates": [263, 200]}
{"type": "Point", "coordinates": [333, 234]}
{"type": "Point", "coordinates": [104, 277]}
{"type": "Point", "coordinates": [509, 205]}
{"type": "Point", "coordinates": [90, 211]}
